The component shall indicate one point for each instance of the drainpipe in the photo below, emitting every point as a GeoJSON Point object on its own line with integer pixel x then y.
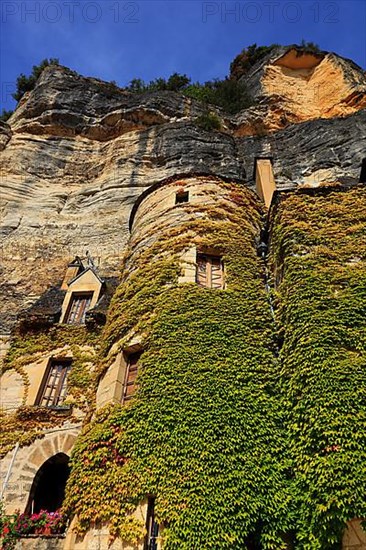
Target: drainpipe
{"type": "Point", "coordinates": [9, 469]}
{"type": "Point", "coordinates": [262, 250]}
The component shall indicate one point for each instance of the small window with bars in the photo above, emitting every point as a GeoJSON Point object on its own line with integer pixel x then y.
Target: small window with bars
{"type": "Point", "coordinates": [152, 527]}
{"type": "Point", "coordinates": [129, 386]}
{"type": "Point", "coordinates": [210, 271]}
{"type": "Point", "coordinates": [53, 390]}
{"type": "Point", "coordinates": [79, 305]}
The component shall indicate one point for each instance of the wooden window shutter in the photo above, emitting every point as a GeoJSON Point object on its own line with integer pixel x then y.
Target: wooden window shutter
{"type": "Point", "coordinates": [129, 387]}
{"type": "Point", "coordinates": [210, 271]}
{"type": "Point", "coordinates": [216, 273]}
{"type": "Point", "coordinates": [201, 270]}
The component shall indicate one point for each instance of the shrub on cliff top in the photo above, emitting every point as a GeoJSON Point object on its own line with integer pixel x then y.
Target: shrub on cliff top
{"type": "Point", "coordinates": [253, 53]}
{"type": "Point", "coordinates": [175, 83]}
{"type": "Point", "coordinates": [5, 115]}
{"type": "Point", "coordinates": [208, 121]}
{"type": "Point", "coordinates": [247, 58]}
{"type": "Point", "coordinates": [228, 94]}
{"type": "Point", "coordinates": [27, 83]}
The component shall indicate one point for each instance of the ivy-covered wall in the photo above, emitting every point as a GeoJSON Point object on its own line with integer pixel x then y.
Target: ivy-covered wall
{"type": "Point", "coordinates": [28, 423]}
{"type": "Point", "coordinates": [318, 251]}
{"type": "Point", "coordinates": [250, 433]}
{"type": "Point", "coordinates": [204, 433]}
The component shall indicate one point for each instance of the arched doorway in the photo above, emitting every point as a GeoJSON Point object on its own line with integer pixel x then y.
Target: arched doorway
{"type": "Point", "coordinates": [48, 488]}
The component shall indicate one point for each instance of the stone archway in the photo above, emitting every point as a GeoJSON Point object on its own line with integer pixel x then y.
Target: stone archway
{"type": "Point", "coordinates": [48, 488]}
{"type": "Point", "coordinates": [28, 462]}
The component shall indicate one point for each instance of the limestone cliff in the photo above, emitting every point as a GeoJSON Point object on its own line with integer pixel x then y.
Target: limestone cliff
{"type": "Point", "coordinates": [294, 86]}
{"type": "Point", "coordinates": [77, 153]}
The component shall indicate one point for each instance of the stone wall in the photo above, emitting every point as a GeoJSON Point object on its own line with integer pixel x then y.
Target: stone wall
{"type": "Point", "coordinates": [41, 543]}
{"type": "Point", "coordinates": [20, 465]}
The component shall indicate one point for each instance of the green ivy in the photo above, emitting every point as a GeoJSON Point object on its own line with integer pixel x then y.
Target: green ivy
{"type": "Point", "coordinates": [319, 254]}
{"type": "Point", "coordinates": [242, 448]}
{"type": "Point", "coordinates": [27, 83]}
{"type": "Point", "coordinates": [204, 433]}
{"type": "Point", "coordinates": [28, 422]}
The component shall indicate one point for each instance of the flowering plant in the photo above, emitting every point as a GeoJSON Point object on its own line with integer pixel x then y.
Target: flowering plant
{"type": "Point", "coordinates": [18, 525]}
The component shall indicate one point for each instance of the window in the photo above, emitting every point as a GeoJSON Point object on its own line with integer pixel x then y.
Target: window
{"type": "Point", "coordinates": [53, 390]}
{"type": "Point", "coordinates": [152, 527]}
{"type": "Point", "coordinates": [129, 386]}
{"type": "Point", "coordinates": [79, 305]}
{"type": "Point", "coordinates": [209, 271]}
{"type": "Point", "coordinates": [181, 197]}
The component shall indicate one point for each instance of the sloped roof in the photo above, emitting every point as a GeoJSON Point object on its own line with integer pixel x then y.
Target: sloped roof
{"type": "Point", "coordinates": [98, 314]}
{"type": "Point", "coordinates": [45, 311]}
{"type": "Point", "coordinates": [82, 273]}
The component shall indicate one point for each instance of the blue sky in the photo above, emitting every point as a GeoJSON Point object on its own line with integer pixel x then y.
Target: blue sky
{"type": "Point", "coordinates": [119, 40]}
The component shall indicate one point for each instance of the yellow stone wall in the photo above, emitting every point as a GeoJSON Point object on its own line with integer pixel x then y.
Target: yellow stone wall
{"type": "Point", "coordinates": [12, 390]}
{"type": "Point", "coordinates": [264, 180]}
{"type": "Point", "coordinates": [98, 537]}
{"type": "Point", "coordinates": [20, 466]}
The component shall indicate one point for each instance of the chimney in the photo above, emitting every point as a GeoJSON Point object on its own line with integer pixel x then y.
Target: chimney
{"type": "Point", "coordinates": [73, 269]}
{"type": "Point", "coordinates": [264, 179]}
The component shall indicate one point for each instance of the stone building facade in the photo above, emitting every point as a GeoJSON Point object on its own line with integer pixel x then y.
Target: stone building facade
{"type": "Point", "coordinates": [179, 223]}
{"type": "Point", "coordinates": [200, 383]}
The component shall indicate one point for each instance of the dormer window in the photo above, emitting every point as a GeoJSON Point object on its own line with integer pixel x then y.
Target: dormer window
{"type": "Point", "coordinates": [82, 295]}
{"type": "Point", "coordinates": [209, 271]}
{"type": "Point", "coordinates": [53, 389]}
{"type": "Point", "coordinates": [79, 305]}
{"type": "Point", "coordinates": [181, 197]}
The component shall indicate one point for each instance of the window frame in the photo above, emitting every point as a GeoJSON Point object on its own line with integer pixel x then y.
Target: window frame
{"type": "Point", "coordinates": [209, 257]}
{"type": "Point", "coordinates": [60, 391]}
{"type": "Point", "coordinates": [74, 295]}
{"type": "Point", "coordinates": [126, 383]}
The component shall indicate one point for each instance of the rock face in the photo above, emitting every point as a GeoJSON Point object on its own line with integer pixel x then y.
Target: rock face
{"type": "Point", "coordinates": [312, 153]}
{"type": "Point", "coordinates": [77, 153]}
{"type": "Point", "coordinates": [293, 86]}
{"type": "Point", "coordinates": [138, 262]}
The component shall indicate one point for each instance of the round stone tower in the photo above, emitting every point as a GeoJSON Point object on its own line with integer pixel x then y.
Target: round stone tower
{"type": "Point", "coordinates": [189, 386]}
